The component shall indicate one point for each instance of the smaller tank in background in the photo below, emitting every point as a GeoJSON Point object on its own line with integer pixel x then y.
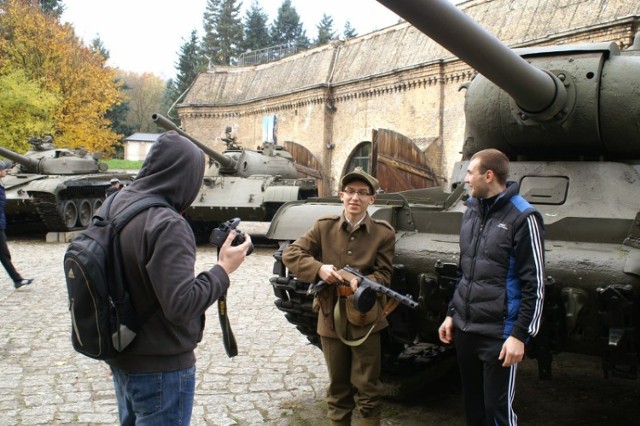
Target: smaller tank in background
{"type": "Point", "coordinates": [51, 189]}
{"type": "Point", "coordinates": [244, 183]}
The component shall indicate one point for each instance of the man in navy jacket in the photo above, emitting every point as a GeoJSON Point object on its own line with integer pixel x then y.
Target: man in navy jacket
{"type": "Point", "coordinates": [497, 304]}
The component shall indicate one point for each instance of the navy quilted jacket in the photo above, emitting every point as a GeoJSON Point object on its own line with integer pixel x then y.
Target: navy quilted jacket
{"type": "Point", "coordinates": [501, 289]}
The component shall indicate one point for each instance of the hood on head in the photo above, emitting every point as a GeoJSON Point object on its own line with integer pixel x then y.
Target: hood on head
{"type": "Point", "coordinates": [174, 168]}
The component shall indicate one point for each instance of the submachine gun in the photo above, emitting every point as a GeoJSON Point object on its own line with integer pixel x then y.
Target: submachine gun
{"type": "Point", "coordinates": [365, 296]}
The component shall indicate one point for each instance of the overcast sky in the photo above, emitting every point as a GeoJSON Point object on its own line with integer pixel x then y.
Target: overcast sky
{"type": "Point", "coordinates": [146, 35]}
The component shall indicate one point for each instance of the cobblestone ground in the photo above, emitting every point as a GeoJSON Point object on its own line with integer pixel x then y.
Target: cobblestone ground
{"type": "Point", "coordinates": [44, 381]}
{"type": "Point", "coordinates": [277, 378]}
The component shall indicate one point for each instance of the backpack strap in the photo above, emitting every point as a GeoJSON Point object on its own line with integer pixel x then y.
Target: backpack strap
{"type": "Point", "coordinates": [121, 219]}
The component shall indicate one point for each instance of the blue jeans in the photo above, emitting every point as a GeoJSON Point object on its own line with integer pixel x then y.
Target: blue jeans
{"type": "Point", "coordinates": [155, 398]}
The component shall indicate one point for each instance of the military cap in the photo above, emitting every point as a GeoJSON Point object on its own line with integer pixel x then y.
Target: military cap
{"type": "Point", "coordinates": [4, 165]}
{"type": "Point", "coordinates": [115, 180]}
{"type": "Point", "coordinates": [361, 175]}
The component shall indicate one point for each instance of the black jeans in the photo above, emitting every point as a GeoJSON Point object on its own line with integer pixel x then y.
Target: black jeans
{"type": "Point", "coordinates": [5, 258]}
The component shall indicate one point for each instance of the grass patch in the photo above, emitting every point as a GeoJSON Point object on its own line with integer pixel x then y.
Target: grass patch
{"type": "Point", "coordinates": [116, 164]}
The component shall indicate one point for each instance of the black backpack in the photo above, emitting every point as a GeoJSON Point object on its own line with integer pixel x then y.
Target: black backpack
{"type": "Point", "coordinates": [103, 320]}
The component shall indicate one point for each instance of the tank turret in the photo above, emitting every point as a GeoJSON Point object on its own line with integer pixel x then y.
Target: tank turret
{"type": "Point", "coordinates": [55, 162]}
{"type": "Point", "coordinates": [268, 179]}
{"type": "Point", "coordinates": [564, 102]}
{"type": "Point", "coordinates": [54, 189]}
{"type": "Point", "coordinates": [567, 117]}
{"type": "Point", "coordinates": [235, 161]}
{"type": "Point", "coordinates": [227, 164]}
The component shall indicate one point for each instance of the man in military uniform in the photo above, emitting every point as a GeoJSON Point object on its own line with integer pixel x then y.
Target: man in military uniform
{"type": "Point", "coordinates": [355, 239]}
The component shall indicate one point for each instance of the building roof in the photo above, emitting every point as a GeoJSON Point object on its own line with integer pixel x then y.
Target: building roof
{"type": "Point", "coordinates": [518, 23]}
{"type": "Point", "coordinates": [143, 137]}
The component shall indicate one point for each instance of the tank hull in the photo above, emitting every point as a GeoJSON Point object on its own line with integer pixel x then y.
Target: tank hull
{"type": "Point", "coordinates": [592, 243]}
{"type": "Point", "coordinates": [55, 203]}
{"type": "Point", "coordinates": [255, 198]}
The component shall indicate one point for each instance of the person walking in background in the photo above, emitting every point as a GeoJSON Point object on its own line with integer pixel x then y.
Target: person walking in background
{"type": "Point", "coordinates": [497, 303]}
{"type": "Point", "coordinates": [5, 255]}
{"type": "Point", "coordinates": [355, 239]}
{"type": "Point", "coordinates": [154, 377]}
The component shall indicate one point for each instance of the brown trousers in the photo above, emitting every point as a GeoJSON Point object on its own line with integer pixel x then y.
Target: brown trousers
{"type": "Point", "coordinates": [354, 378]}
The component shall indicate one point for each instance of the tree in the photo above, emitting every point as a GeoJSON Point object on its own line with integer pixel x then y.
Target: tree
{"type": "Point", "coordinates": [256, 33]}
{"type": "Point", "coordinates": [48, 53]}
{"type": "Point", "coordinates": [52, 7]}
{"type": "Point", "coordinates": [26, 109]}
{"type": "Point", "coordinates": [287, 28]}
{"type": "Point", "coordinates": [98, 47]}
{"type": "Point", "coordinates": [144, 96]}
{"type": "Point", "coordinates": [349, 31]}
{"type": "Point", "coordinates": [169, 96]}
{"type": "Point", "coordinates": [191, 62]}
{"type": "Point", "coordinates": [222, 42]}
{"type": "Point", "coordinates": [118, 114]}
{"type": "Point", "coordinates": [325, 30]}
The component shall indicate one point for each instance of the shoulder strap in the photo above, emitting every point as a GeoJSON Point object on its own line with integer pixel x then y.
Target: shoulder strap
{"type": "Point", "coordinates": [339, 318]}
{"type": "Point", "coordinates": [123, 217]}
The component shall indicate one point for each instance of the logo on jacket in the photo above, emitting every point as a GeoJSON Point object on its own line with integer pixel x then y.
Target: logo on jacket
{"type": "Point", "coordinates": [503, 226]}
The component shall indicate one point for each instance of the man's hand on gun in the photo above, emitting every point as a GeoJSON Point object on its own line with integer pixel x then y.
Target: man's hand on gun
{"type": "Point", "coordinates": [231, 257]}
{"type": "Point", "coordinates": [331, 275]}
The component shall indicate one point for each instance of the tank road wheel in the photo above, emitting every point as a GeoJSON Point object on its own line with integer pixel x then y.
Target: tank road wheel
{"type": "Point", "coordinates": [69, 213]}
{"type": "Point", "coordinates": [85, 211]}
{"type": "Point", "coordinates": [97, 204]}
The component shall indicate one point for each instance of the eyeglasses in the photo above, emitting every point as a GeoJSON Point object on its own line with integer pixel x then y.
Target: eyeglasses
{"type": "Point", "coordinates": [351, 192]}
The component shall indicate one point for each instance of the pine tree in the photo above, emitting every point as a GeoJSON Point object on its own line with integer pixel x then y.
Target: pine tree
{"type": "Point", "coordinates": [349, 31]}
{"type": "Point", "coordinates": [97, 46]}
{"type": "Point", "coordinates": [52, 7]}
{"type": "Point", "coordinates": [325, 30]}
{"type": "Point", "coordinates": [223, 40]}
{"type": "Point", "coordinates": [287, 28]}
{"type": "Point", "coordinates": [190, 63]}
{"type": "Point", "coordinates": [256, 33]}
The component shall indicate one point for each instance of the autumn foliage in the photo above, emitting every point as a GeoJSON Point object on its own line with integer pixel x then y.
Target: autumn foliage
{"type": "Point", "coordinates": [51, 83]}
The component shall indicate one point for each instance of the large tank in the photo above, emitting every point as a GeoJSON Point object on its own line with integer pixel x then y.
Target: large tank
{"type": "Point", "coordinates": [568, 119]}
{"type": "Point", "coordinates": [238, 182]}
{"type": "Point", "coordinates": [53, 189]}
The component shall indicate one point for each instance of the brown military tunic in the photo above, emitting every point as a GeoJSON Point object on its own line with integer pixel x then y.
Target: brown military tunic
{"type": "Point", "coordinates": [368, 248]}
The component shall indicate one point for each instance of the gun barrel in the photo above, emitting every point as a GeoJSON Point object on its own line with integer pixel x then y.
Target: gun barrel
{"type": "Point", "coordinates": [226, 163]}
{"type": "Point", "coordinates": [25, 161]}
{"type": "Point", "coordinates": [534, 90]}
{"type": "Point", "coordinates": [405, 300]}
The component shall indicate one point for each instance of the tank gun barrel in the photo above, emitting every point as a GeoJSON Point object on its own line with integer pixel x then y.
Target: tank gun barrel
{"type": "Point", "coordinates": [226, 163]}
{"type": "Point", "coordinates": [534, 90]}
{"type": "Point", "coordinates": [25, 161]}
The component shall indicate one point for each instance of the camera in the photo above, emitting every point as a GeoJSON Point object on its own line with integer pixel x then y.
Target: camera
{"type": "Point", "coordinates": [220, 234]}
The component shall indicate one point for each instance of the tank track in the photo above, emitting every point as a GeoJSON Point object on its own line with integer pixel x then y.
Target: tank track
{"type": "Point", "coordinates": [49, 205]}
{"type": "Point", "coordinates": [48, 209]}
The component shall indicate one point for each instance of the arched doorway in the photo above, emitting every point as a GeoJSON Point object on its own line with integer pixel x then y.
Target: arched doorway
{"type": "Point", "coordinates": [394, 159]}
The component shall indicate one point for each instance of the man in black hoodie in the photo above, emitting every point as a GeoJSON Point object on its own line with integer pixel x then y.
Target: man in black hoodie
{"type": "Point", "coordinates": [154, 377]}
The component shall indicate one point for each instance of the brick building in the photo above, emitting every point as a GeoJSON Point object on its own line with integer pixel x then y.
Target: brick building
{"type": "Point", "coordinates": [329, 103]}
